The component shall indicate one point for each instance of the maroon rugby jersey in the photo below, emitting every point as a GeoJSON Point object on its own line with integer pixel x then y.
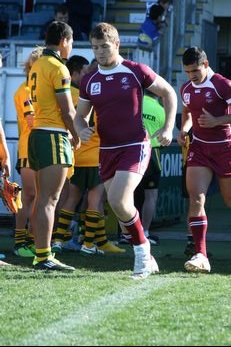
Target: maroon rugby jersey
{"type": "Point", "coordinates": [214, 95]}
{"type": "Point", "coordinates": [117, 96]}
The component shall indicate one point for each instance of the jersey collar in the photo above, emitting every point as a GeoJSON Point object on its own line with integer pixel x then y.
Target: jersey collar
{"type": "Point", "coordinates": [50, 52]}
{"type": "Point", "coordinates": [210, 74]}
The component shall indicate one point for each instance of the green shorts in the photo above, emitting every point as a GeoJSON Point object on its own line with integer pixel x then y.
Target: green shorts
{"type": "Point", "coordinates": [46, 148]}
{"type": "Point", "coordinates": [86, 177]}
{"type": "Point", "coordinates": [21, 163]}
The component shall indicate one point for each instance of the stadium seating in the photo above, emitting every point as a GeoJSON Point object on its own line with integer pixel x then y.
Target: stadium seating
{"type": "Point", "coordinates": [42, 5]}
{"type": "Point", "coordinates": [11, 12]}
{"type": "Point", "coordinates": [32, 23]}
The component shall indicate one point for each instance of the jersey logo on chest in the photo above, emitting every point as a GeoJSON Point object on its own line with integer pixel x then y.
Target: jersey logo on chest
{"type": "Point", "coordinates": [95, 88]}
{"type": "Point", "coordinates": [187, 98]}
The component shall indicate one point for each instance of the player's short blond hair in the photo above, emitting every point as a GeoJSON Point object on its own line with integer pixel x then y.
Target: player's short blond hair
{"type": "Point", "coordinates": [34, 55]}
{"type": "Point", "coordinates": [104, 31]}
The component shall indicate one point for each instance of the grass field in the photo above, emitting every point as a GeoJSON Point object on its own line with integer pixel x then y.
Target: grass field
{"type": "Point", "coordinates": [100, 305]}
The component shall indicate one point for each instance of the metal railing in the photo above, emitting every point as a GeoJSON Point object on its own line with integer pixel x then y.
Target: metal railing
{"type": "Point", "coordinates": [11, 50]}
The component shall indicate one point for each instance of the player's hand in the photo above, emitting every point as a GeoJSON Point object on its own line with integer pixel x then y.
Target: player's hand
{"type": "Point", "coordinates": [163, 136]}
{"type": "Point", "coordinates": [5, 165]}
{"type": "Point", "coordinates": [181, 138]}
{"type": "Point", "coordinates": [75, 143]}
{"type": "Point", "coordinates": [86, 134]}
{"type": "Point", "coordinates": [30, 120]}
{"type": "Point", "coordinates": [207, 120]}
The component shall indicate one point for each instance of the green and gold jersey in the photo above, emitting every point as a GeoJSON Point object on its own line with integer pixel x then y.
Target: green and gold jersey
{"type": "Point", "coordinates": [47, 78]}
{"type": "Point", "coordinates": [88, 153]}
{"type": "Point", "coordinates": [24, 108]}
{"type": "Point", "coordinates": [74, 93]}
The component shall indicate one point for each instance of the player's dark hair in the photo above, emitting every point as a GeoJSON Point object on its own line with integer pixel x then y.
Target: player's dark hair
{"type": "Point", "coordinates": [57, 31]}
{"type": "Point", "coordinates": [76, 63]}
{"type": "Point", "coordinates": [194, 55]}
{"type": "Point", "coordinates": [61, 8]}
{"type": "Point", "coordinates": [156, 11]}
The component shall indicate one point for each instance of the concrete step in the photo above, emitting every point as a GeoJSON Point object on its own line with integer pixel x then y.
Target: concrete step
{"type": "Point", "coordinates": [129, 5]}
{"type": "Point", "coordinates": [126, 16]}
{"type": "Point", "coordinates": [127, 27]}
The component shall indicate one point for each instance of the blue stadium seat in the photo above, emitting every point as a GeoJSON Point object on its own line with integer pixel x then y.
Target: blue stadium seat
{"type": "Point", "coordinates": [41, 5]}
{"type": "Point", "coordinates": [98, 11]}
{"type": "Point", "coordinates": [32, 23]}
{"type": "Point", "coordinates": [12, 12]}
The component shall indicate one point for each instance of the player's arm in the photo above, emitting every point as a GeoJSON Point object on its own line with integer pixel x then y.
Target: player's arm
{"type": "Point", "coordinates": [23, 106]}
{"type": "Point", "coordinates": [186, 125]}
{"type": "Point", "coordinates": [81, 123]}
{"type": "Point", "coordinates": [28, 109]}
{"type": "Point", "coordinates": [68, 113]}
{"type": "Point", "coordinates": [164, 90]}
{"type": "Point", "coordinates": [207, 120]}
{"type": "Point", "coordinates": [30, 120]}
{"type": "Point", "coordinates": [210, 120]}
{"type": "Point", "coordinates": [5, 156]}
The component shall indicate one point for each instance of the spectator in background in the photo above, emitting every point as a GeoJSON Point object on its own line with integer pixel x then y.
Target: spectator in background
{"type": "Point", "coordinates": [164, 3]}
{"type": "Point", "coordinates": [61, 15]}
{"type": "Point", "coordinates": [80, 14]}
{"type": "Point", "coordinates": [150, 30]}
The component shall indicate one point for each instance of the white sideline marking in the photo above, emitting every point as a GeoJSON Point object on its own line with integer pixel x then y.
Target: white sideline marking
{"type": "Point", "coordinates": [72, 327]}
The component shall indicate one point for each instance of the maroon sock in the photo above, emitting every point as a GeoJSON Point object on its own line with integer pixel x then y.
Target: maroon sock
{"type": "Point", "coordinates": [135, 228]}
{"type": "Point", "coordinates": [198, 226]}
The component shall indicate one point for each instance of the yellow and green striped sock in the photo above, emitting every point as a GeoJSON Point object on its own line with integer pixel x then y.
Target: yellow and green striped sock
{"type": "Point", "coordinates": [42, 253]}
{"type": "Point", "coordinates": [62, 234]}
{"type": "Point", "coordinates": [20, 237]}
{"type": "Point", "coordinates": [91, 223]}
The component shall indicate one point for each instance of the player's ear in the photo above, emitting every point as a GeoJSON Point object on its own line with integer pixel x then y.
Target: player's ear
{"type": "Point", "coordinates": [117, 43]}
{"type": "Point", "coordinates": [206, 63]}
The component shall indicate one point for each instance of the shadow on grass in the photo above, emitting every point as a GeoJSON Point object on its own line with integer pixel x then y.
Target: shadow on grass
{"type": "Point", "coordinates": [169, 255]}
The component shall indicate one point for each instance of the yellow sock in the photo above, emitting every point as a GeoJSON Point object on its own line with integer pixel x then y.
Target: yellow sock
{"type": "Point", "coordinates": [91, 223]}
{"type": "Point", "coordinates": [82, 218]}
{"type": "Point", "coordinates": [20, 237]}
{"type": "Point", "coordinates": [64, 220]}
{"type": "Point", "coordinates": [100, 234]}
{"type": "Point", "coordinates": [30, 236]}
{"type": "Point", "coordinates": [42, 253]}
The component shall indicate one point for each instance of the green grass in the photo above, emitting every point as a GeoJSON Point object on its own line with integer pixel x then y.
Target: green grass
{"type": "Point", "coordinates": [100, 305]}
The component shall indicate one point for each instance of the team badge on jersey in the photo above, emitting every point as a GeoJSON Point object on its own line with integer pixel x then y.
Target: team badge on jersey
{"type": "Point", "coordinates": [27, 103]}
{"type": "Point", "coordinates": [190, 155]}
{"type": "Point", "coordinates": [209, 97]}
{"type": "Point", "coordinates": [125, 83]}
{"type": "Point", "coordinates": [187, 98]}
{"type": "Point", "coordinates": [95, 88]}
{"type": "Point", "coordinates": [66, 82]}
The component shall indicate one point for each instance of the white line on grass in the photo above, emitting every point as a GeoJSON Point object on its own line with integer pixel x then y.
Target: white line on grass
{"type": "Point", "coordinates": [60, 332]}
